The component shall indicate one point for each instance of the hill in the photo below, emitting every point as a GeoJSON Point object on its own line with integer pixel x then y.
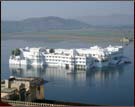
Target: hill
{"type": "Point", "coordinates": [42, 24]}
{"type": "Point", "coordinates": [109, 20]}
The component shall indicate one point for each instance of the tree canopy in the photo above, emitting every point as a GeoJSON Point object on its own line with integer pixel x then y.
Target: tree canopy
{"type": "Point", "coordinates": [16, 52]}
{"type": "Point", "coordinates": [51, 51]}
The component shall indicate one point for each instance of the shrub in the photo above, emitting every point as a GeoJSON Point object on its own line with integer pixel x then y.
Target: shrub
{"type": "Point", "coordinates": [16, 52]}
{"type": "Point", "coordinates": [51, 50]}
{"type": "Point", "coordinates": [13, 52]}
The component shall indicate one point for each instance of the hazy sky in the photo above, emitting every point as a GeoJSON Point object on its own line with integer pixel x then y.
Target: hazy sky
{"type": "Point", "coordinates": [17, 10]}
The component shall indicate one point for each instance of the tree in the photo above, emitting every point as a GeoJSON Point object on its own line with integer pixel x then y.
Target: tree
{"type": "Point", "coordinates": [16, 52]}
{"type": "Point", "coordinates": [51, 51]}
{"type": "Point", "coordinates": [13, 52]}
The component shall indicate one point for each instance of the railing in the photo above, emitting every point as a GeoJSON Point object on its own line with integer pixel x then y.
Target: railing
{"type": "Point", "coordinates": [32, 103]}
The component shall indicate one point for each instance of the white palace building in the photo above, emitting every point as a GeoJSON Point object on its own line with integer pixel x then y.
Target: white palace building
{"type": "Point", "coordinates": [70, 58]}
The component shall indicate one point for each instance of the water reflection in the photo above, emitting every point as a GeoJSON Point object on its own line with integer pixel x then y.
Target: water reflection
{"type": "Point", "coordinates": [102, 76]}
{"type": "Point", "coordinates": [88, 77]}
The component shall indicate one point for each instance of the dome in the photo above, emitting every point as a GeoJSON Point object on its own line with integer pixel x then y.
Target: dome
{"type": "Point", "coordinates": [27, 48]}
{"type": "Point", "coordinates": [11, 77]}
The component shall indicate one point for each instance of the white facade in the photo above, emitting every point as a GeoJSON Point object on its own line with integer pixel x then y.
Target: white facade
{"type": "Point", "coordinates": [69, 58]}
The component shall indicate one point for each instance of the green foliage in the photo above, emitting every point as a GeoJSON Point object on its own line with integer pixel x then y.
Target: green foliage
{"type": "Point", "coordinates": [51, 51]}
{"type": "Point", "coordinates": [13, 52]}
{"type": "Point", "coordinates": [16, 52]}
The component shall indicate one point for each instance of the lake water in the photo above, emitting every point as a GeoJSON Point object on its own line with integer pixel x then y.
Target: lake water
{"type": "Point", "coordinates": [110, 86]}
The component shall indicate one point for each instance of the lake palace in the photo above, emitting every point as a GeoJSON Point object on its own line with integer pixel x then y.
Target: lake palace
{"type": "Point", "coordinates": [69, 58]}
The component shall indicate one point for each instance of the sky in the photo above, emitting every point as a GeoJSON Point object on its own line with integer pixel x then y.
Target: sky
{"type": "Point", "coordinates": [18, 10]}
